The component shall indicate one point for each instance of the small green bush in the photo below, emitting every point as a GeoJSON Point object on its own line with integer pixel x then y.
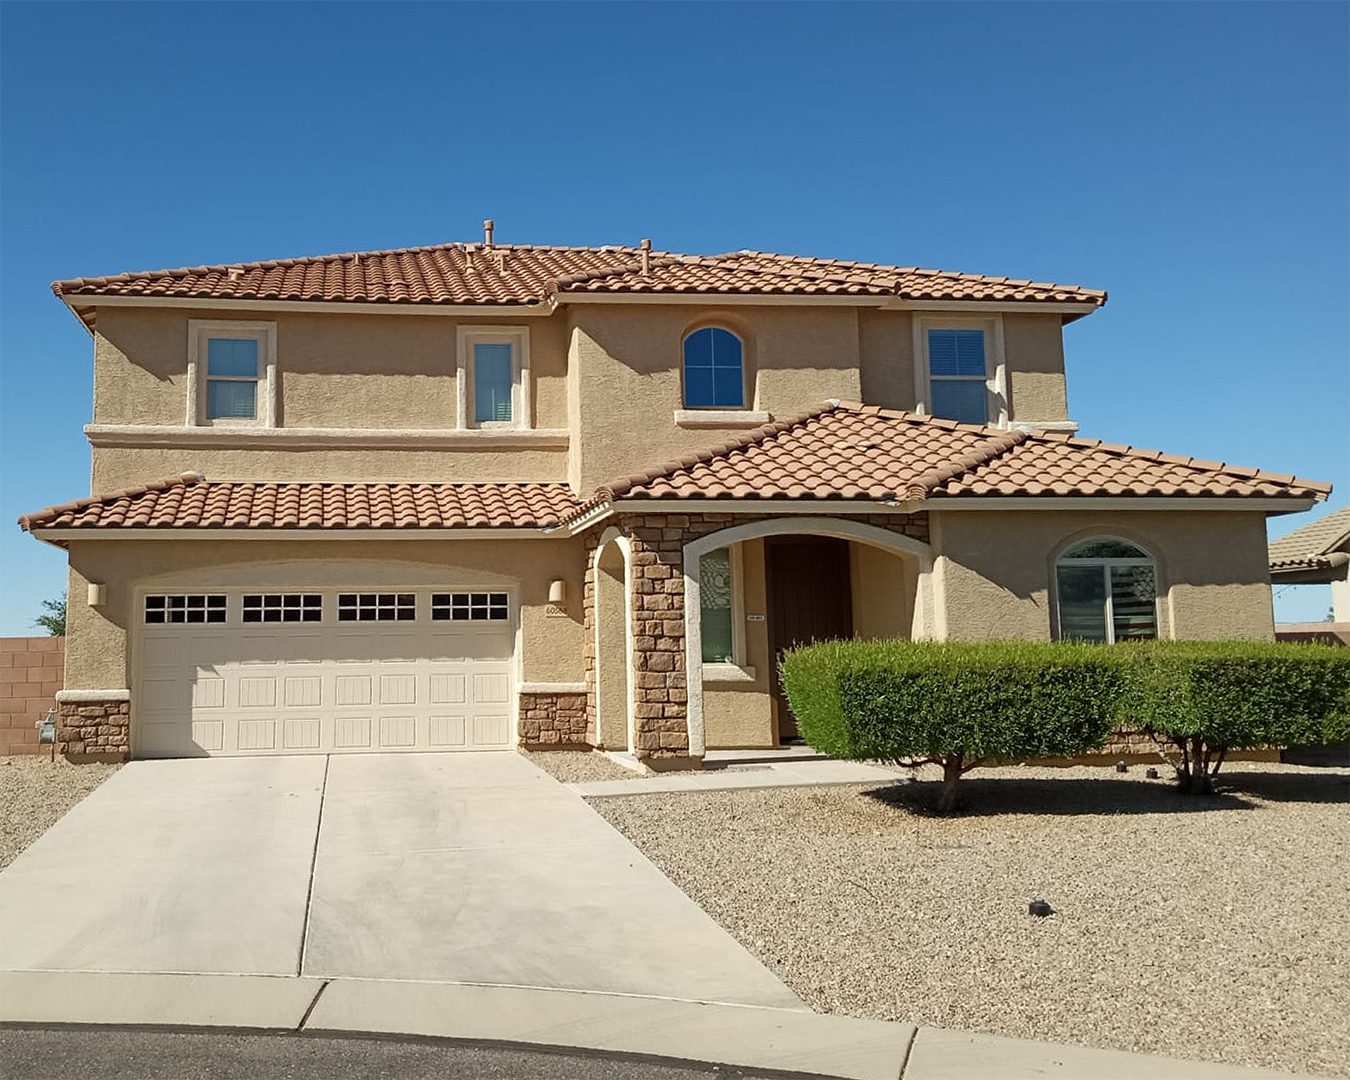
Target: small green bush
{"type": "Point", "coordinates": [951, 703]}
{"type": "Point", "coordinates": [1209, 697]}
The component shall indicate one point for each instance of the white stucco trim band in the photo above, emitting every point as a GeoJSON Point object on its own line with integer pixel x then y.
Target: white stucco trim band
{"type": "Point", "coordinates": [149, 436]}
{"type": "Point", "coordinates": [926, 602]}
{"type": "Point", "coordinates": [75, 696]}
{"type": "Point", "coordinates": [552, 688]}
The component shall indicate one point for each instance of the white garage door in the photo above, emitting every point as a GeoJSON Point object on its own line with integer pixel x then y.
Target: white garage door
{"type": "Point", "coordinates": [240, 672]}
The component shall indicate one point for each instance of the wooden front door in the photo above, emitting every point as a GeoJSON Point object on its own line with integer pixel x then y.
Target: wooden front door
{"type": "Point", "coordinates": [809, 598]}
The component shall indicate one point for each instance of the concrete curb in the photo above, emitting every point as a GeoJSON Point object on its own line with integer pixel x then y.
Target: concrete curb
{"type": "Point", "coordinates": [751, 1037]}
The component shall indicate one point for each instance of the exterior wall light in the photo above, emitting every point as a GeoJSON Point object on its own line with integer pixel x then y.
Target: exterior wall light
{"type": "Point", "coordinates": [97, 594]}
{"type": "Point", "coordinates": [557, 591]}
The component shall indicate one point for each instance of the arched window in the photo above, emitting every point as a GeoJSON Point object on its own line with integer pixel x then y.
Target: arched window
{"type": "Point", "coordinates": [714, 370]}
{"type": "Point", "coordinates": [1107, 591]}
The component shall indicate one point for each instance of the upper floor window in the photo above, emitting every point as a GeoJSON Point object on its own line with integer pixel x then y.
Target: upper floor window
{"type": "Point", "coordinates": [494, 377]}
{"type": "Point", "coordinates": [958, 376]}
{"type": "Point", "coordinates": [714, 370]}
{"type": "Point", "coordinates": [1107, 590]}
{"type": "Point", "coordinates": [231, 369]}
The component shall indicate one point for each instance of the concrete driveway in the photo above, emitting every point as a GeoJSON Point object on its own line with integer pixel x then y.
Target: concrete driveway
{"type": "Point", "coordinates": [474, 868]}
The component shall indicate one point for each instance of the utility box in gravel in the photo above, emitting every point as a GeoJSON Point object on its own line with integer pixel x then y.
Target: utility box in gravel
{"type": "Point", "coordinates": [32, 670]}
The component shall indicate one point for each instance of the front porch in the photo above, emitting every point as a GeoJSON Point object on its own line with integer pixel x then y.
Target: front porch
{"type": "Point", "coordinates": [686, 615]}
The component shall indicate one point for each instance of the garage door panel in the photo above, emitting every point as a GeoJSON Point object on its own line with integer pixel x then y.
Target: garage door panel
{"type": "Point", "coordinates": [352, 733]}
{"type": "Point", "coordinates": [303, 691]}
{"type": "Point", "coordinates": [353, 690]}
{"type": "Point", "coordinates": [398, 732]}
{"type": "Point", "coordinates": [322, 686]}
{"type": "Point", "coordinates": [256, 692]}
{"type": "Point", "coordinates": [446, 731]}
{"type": "Point", "coordinates": [260, 734]}
{"type": "Point", "coordinates": [302, 733]}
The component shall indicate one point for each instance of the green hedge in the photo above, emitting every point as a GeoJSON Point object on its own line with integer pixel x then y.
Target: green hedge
{"type": "Point", "coordinates": [957, 704]}
{"type": "Point", "coordinates": [1238, 694]}
{"type": "Point", "coordinates": [887, 700]}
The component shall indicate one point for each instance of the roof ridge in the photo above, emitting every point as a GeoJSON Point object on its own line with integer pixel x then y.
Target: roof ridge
{"type": "Point", "coordinates": [616, 488]}
{"type": "Point", "coordinates": [998, 445]}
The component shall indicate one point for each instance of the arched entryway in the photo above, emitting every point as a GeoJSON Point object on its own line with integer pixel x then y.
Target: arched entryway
{"type": "Point", "coordinates": [834, 576]}
{"type": "Point", "coordinates": [613, 642]}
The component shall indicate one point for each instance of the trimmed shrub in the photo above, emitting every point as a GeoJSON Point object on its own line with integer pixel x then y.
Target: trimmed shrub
{"type": "Point", "coordinates": [952, 704]}
{"type": "Point", "coordinates": [1205, 698]}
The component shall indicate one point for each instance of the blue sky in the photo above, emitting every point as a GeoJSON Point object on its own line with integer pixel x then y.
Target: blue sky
{"type": "Point", "coordinates": [1190, 158]}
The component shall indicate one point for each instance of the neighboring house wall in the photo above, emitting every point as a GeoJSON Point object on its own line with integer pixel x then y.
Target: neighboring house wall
{"type": "Point", "coordinates": [996, 569]}
{"type": "Point", "coordinates": [31, 672]}
{"type": "Point", "coordinates": [99, 657]}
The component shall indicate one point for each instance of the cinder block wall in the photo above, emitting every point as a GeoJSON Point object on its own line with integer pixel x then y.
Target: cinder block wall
{"type": "Point", "coordinates": [32, 670]}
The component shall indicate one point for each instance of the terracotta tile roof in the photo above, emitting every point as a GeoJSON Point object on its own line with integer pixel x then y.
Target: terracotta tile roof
{"type": "Point", "coordinates": [190, 502]}
{"type": "Point", "coordinates": [849, 451]}
{"type": "Point", "coordinates": [1311, 547]}
{"type": "Point", "coordinates": [521, 274]}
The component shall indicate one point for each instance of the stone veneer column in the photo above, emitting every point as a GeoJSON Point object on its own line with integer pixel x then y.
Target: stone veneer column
{"type": "Point", "coordinates": [94, 725]}
{"type": "Point", "coordinates": [660, 692]}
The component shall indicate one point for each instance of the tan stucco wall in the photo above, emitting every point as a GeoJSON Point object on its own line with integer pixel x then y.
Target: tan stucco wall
{"type": "Point", "coordinates": [738, 714]}
{"type": "Point", "coordinates": [995, 569]}
{"type": "Point", "coordinates": [882, 593]}
{"type": "Point", "coordinates": [628, 377]}
{"type": "Point", "coordinates": [887, 346]}
{"type": "Point", "coordinates": [609, 374]}
{"type": "Point", "coordinates": [333, 371]}
{"type": "Point", "coordinates": [97, 652]}
{"type": "Point", "coordinates": [115, 469]}
{"type": "Point", "coordinates": [1033, 346]}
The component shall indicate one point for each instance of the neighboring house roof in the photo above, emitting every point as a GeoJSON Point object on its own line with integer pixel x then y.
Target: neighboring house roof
{"type": "Point", "coordinates": [850, 451]}
{"type": "Point", "coordinates": [474, 274]}
{"type": "Point", "coordinates": [192, 502]}
{"type": "Point", "coordinates": [1314, 546]}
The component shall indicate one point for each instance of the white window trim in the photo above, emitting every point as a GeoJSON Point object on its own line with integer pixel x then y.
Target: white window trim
{"type": "Point", "coordinates": [995, 362]}
{"type": "Point", "coordinates": [265, 405]}
{"type": "Point", "coordinates": [518, 337]}
{"type": "Point", "coordinates": [1105, 564]}
{"type": "Point", "coordinates": [714, 418]}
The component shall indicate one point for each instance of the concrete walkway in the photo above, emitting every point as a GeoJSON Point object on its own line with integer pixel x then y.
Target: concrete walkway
{"type": "Point", "coordinates": [466, 868]}
{"type": "Point", "coordinates": [797, 770]}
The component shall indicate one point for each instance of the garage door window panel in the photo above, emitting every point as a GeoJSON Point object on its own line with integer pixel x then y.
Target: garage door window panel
{"type": "Point", "coordinates": [470, 607]}
{"type": "Point", "coordinates": [184, 608]}
{"type": "Point", "coordinates": [377, 607]}
{"type": "Point", "coordinates": [282, 608]}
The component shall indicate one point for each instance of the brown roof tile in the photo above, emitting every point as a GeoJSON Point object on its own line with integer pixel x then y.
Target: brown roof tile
{"type": "Point", "coordinates": [862, 452]}
{"type": "Point", "coordinates": [520, 274]}
{"type": "Point", "coordinates": [189, 502]}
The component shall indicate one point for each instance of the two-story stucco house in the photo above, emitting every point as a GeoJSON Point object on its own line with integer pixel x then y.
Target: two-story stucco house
{"type": "Point", "coordinates": [477, 496]}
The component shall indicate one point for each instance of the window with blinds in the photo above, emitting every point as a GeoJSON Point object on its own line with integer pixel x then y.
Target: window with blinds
{"type": "Point", "coordinates": [958, 376]}
{"type": "Point", "coordinates": [1107, 591]}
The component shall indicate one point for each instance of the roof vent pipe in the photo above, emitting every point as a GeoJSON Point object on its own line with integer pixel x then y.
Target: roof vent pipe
{"type": "Point", "coordinates": [646, 256]}
{"type": "Point", "coordinates": [487, 233]}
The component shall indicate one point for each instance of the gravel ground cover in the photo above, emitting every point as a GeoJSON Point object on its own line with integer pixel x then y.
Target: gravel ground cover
{"type": "Point", "coordinates": [35, 793]}
{"type": "Point", "coordinates": [579, 766]}
{"type": "Point", "coordinates": [1210, 928]}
